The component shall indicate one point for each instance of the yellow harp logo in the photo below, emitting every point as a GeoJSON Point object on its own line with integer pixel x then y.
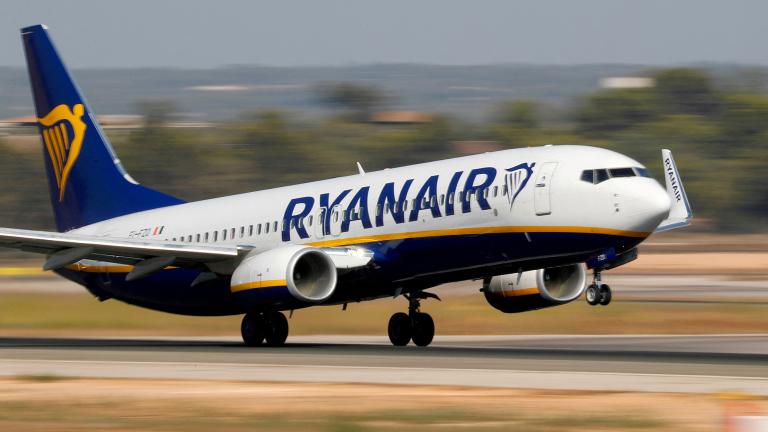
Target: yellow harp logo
{"type": "Point", "coordinates": [63, 131]}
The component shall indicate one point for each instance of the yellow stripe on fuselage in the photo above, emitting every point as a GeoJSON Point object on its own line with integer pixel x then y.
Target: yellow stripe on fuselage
{"type": "Point", "coordinates": [410, 235]}
{"type": "Point", "coordinates": [259, 284]}
{"type": "Point", "coordinates": [479, 231]}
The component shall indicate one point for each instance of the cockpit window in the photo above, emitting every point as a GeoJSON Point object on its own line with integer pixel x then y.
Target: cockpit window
{"type": "Point", "coordinates": [642, 172]}
{"type": "Point", "coordinates": [622, 172]}
{"type": "Point", "coordinates": [600, 175]}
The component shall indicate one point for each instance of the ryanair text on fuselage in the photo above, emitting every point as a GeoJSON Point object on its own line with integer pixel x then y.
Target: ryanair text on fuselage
{"type": "Point", "coordinates": [391, 200]}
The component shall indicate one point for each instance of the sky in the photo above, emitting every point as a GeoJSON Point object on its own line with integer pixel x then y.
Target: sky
{"type": "Point", "coordinates": [209, 33]}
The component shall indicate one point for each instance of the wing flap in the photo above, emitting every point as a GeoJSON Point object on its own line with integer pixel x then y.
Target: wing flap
{"type": "Point", "coordinates": [68, 246]}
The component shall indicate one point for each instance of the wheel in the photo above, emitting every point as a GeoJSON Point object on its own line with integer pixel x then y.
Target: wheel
{"type": "Point", "coordinates": [252, 329]}
{"type": "Point", "coordinates": [275, 328]}
{"type": "Point", "coordinates": [593, 296]}
{"type": "Point", "coordinates": [422, 329]}
{"type": "Point", "coordinates": [605, 295]}
{"type": "Point", "coordinates": [399, 329]}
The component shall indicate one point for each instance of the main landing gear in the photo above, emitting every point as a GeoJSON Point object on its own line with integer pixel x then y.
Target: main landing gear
{"type": "Point", "coordinates": [598, 293]}
{"type": "Point", "coordinates": [413, 326]}
{"type": "Point", "coordinates": [260, 327]}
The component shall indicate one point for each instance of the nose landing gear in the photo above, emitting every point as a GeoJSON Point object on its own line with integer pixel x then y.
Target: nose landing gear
{"type": "Point", "coordinates": [414, 326]}
{"type": "Point", "coordinates": [598, 293]}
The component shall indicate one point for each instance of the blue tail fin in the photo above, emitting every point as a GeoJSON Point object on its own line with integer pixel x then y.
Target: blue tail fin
{"type": "Point", "coordinates": [85, 178]}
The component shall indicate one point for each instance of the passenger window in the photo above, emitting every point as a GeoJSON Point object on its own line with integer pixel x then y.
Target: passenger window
{"type": "Point", "coordinates": [266, 228]}
{"type": "Point", "coordinates": [588, 176]}
{"type": "Point", "coordinates": [275, 227]}
{"type": "Point", "coordinates": [232, 235]}
{"type": "Point", "coordinates": [197, 238]}
{"type": "Point", "coordinates": [495, 191]}
{"type": "Point", "coordinates": [189, 238]}
{"type": "Point", "coordinates": [258, 229]}
{"type": "Point", "coordinates": [223, 235]}
{"type": "Point", "coordinates": [310, 220]}
{"type": "Point", "coordinates": [206, 237]}
{"type": "Point", "coordinates": [242, 231]}
{"type": "Point", "coordinates": [250, 230]}
{"type": "Point", "coordinates": [215, 236]}
{"type": "Point", "coordinates": [442, 199]}
{"type": "Point", "coordinates": [504, 190]}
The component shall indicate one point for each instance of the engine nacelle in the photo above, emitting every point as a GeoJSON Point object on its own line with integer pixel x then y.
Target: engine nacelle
{"type": "Point", "coordinates": [283, 276]}
{"type": "Point", "coordinates": [536, 289]}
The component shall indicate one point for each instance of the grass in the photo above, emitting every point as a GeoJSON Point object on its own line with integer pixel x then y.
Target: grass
{"type": "Point", "coordinates": [151, 415]}
{"type": "Point", "coordinates": [38, 314]}
{"type": "Point", "coordinates": [41, 378]}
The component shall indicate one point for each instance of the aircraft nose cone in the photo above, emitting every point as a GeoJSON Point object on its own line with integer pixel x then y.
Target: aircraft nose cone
{"type": "Point", "coordinates": [647, 205]}
{"type": "Point", "coordinates": [656, 202]}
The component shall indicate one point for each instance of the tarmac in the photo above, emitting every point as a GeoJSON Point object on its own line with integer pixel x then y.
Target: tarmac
{"type": "Point", "coordinates": [684, 364]}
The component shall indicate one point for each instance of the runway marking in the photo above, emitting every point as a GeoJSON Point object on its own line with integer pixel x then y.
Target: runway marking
{"type": "Point", "coordinates": [285, 366]}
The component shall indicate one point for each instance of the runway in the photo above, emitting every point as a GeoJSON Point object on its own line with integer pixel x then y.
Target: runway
{"type": "Point", "coordinates": [711, 363]}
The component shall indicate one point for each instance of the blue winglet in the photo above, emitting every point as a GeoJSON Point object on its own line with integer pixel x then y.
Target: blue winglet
{"type": "Point", "coordinates": [86, 181]}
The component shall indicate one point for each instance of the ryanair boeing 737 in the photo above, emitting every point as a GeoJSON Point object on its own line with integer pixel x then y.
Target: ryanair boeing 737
{"type": "Point", "coordinates": [527, 222]}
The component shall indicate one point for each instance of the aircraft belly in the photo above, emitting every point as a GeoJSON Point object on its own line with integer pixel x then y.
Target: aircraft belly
{"type": "Point", "coordinates": [405, 264]}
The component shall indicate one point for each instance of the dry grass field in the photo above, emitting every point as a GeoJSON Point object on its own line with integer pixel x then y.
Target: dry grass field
{"type": "Point", "coordinates": [35, 314]}
{"type": "Point", "coordinates": [34, 403]}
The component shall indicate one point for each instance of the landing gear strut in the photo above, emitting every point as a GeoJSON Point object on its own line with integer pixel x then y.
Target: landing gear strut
{"type": "Point", "coordinates": [260, 327]}
{"type": "Point", "coordinates": [598, 293]}
{"type": "Point", "coordinates": [414, 326]}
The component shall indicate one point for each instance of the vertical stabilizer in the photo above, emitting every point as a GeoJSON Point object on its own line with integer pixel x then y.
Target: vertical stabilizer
{"type": "Point", "coordinates": [86, 181]}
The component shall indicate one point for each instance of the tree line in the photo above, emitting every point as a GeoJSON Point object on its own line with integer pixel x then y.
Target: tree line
{"type": "Point", "coordinates": [719, 135]}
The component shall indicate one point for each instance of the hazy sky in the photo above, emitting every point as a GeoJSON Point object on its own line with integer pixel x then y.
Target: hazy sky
{"type": "Point", "coordinates": [193, 33]}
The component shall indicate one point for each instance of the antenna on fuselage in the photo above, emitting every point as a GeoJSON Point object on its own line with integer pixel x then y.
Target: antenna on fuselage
{"type": "Point", "coordinates": [360, 168]}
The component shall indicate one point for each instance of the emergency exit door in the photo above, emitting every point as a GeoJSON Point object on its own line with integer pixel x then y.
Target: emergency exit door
{"type": "Point", "coordinates": [541, 191]}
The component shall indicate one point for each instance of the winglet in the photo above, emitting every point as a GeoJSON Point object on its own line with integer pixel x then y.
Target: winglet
{"type": "Point", "coordinates": [680, 213]}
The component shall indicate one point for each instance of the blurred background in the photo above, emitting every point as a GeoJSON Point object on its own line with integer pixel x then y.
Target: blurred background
{"type": "Point", "coordinates": [202, 99]}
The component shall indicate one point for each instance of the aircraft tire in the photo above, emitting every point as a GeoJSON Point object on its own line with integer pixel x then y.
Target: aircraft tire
{"type": "Point", "coordinates": [593, 295]}
{"type": "Point", "coordinates": [423, 329]}
{"type": "Point", "coordinates": [604, 294]}
{"type": "Point", "coordinates": [252, 329]}
{"type": "Point", "coordinates": [399, 329]}
{"type": "Point", "coordinates": [275, 328]}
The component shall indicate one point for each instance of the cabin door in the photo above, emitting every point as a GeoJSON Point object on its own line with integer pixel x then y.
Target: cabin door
{"type": "Point", "coordinates": [541, 191]}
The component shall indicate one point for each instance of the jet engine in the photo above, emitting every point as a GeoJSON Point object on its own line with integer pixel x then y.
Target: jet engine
{"type": "Point", "coordinates": [288, 275]}
{"type": "Point", "coordinates": [537, 289]}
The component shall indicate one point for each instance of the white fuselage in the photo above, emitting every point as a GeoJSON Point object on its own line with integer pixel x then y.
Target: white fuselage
{"type": "Point", "coordinates": [554, 198]}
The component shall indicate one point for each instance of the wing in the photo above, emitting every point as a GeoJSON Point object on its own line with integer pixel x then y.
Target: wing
{"type": "Point", "coordinates": [147, 256]}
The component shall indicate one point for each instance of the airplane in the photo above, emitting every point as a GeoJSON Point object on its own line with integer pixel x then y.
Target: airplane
{"type": "Point", "coordinates": [529, 223]}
